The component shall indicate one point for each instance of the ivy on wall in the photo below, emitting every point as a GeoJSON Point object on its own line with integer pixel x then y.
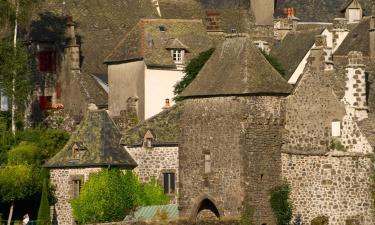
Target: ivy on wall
{"type": "Point", "coordinates": [280, 203]}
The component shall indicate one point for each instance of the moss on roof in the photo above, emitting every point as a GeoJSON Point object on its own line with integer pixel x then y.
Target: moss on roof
{"type": "Point", "coordinates": [356, 40]}
{"type": "Point", "coordinates": [237, 67]}
{"type": "Point", "coordinates": [100, 139]}
{"type": "Point", "coordinates": [293, 49]}
{"type": "Point", "coordinates": [146, 41]}
{"type": "Point", "coordinates": [177, 9]}
{"type": "Point", "coordinates": [163, 126]}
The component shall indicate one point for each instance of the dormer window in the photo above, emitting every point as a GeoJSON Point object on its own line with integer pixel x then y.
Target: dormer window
{"type": "Point", "coordinates": [162, 28]}
{"type": "Point", "coordinates": [148, 139]}
{"type": "Point", "coordinates": [77, 150]}
{"type": "Point", "coordinates": [178, 55]}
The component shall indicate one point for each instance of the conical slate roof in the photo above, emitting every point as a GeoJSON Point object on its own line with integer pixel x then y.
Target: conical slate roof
{"type": "Point", "coordinates": [237, 68]}
{"type": "Point", "coordinates": [98, 141]}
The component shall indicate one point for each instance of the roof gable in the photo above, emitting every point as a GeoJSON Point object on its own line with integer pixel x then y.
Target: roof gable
{"type": "Point", "coordinates": [151, 38]}
{"type": "Point", "coordinates": [236, 68]}
{"type": "Point", "coordinates": [101, 140]}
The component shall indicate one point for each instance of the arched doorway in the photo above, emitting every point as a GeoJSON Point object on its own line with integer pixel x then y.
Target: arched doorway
{"type": "Point", "coordinates": [207, 210]}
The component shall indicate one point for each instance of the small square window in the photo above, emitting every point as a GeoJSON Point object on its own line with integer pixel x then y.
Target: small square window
{"type": "Point", "coordinates": [177, 55]}
{"type": "Point", "coordinates": [169, 183]}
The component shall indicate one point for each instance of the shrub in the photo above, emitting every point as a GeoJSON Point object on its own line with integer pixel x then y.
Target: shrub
{"type": "Point", "coordinates": [336, 145]}
{"type": "Point", "coordinates": [153, 194]}
{"type": "Point", "coordinates": [281, 205]}
{"type": "Point", "coordinates": [320, 220]}
{"type": "Point", "coordinates": [110, 195]}
{"type": "Point", "coordinates": [191, 71]}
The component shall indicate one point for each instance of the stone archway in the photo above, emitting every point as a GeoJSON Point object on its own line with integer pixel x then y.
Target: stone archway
{"type": "Point", "coordinates": [207, 210]}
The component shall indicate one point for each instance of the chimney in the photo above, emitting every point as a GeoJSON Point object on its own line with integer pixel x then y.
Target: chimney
{"type": "Point", "coordinates": [213, 21]}
{"type": "Point", "coordinates": [339, 32]}
{"type": "Point", "coordinates": [72, 51]}
{"type": "Point", "coordinates": [355, 88]}
{"type": "Point", "coordinates": [372, 31]}
{"type": "Point", "coordinates": [321, 55]}
{"type": "Point", "coordinates": [167, 104]}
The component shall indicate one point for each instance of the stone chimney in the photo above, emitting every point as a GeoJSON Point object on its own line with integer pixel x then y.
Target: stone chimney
{"type": "Point", "coordinates": [339, 32]}
{"type": "Point", "coordinates": [321, 56]}
{"type": "Point", "coordinates": [372, 32]}
{"type": "Point", "coordinates": [72, 51]}
{"type": "Point", "coordinates": [355, 88]}
{"type": "Point", "coordinates": [213, 21]}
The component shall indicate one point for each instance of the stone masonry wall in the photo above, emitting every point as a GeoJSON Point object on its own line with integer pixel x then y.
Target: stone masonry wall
{"type": "Point", "coordinates": [62, 180]}
{"type": "Point", "coordinates": [153, 162]}
{"type": "Point", "coordinates": [335, 186]}
{"type": "Point", "coordinates": [242, 136]}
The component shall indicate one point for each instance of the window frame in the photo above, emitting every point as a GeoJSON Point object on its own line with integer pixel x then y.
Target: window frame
{"type": "Point", "coordinates": [169, 183]}
{"type": "Point", "coordinates": [178, 55]}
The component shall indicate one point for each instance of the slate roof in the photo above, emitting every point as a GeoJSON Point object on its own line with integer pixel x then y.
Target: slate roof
{"type": "Point", "coordinates": [163, 126]}
{"type": "Point", "coordinates": [100, 139]}
{"type": "Point", "coordinates": [319, 11]}
{"type": "Point", "coordinates": [177, 9]}
{"type": "Point", "coordinates": [293, 49]}
{"type": "Point", "coordinates": [237, 68]}
{"type": "Point", "coordinates": [356, 40]}
{"type": "Point", "coordinates": [147, 42]}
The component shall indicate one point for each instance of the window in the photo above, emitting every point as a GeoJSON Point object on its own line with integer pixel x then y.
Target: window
{"type": "Point", "coordinates": [75, 152]}
{"type": "Point", "coordinates": [178, 55]}
{"type": "Point", "coordinates": [149, 143]}
{"type": "Point", "coordinates": [336, 128]}
{"type": "Point", "coordinates": [207, 163]}
{"type": "Point", "coordinates": [169, 183]}
{"type": "Point", "coordinates": [77, 184]}
{"type": "Point", "coordinates": [47, 61]}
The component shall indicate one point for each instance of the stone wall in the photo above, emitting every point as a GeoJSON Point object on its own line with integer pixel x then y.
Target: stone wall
{"type": "Point", "coordinates": [153, 162]}
{"type": "Point", "coordinates": [243, 137]}
{"type": "Point", "coordinates": [62, 180]}
{"type": "Point", "coordinates": [336, 186]}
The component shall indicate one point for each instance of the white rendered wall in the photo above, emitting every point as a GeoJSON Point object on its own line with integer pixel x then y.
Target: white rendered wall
{"type": "Point", "coordinates": [159, 85]}
{"type": "Point", "coordinates": [301, 67]}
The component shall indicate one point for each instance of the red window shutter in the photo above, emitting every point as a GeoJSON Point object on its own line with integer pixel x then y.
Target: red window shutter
{"type": "Point", "coordinates": [47, 61]}
{"type": "Point", "coordinates": [45, 102]}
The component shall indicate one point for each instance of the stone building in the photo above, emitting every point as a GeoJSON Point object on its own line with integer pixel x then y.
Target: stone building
{"type": "Point", "coordinates": [231, 134]}
{"type": "Point", "coordinates": [94, 146]}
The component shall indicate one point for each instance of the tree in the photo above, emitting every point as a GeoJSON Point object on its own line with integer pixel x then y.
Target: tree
{"type": "Point", "coordinates": [17, 13]}
{"type": "Point", "coordinates": [280, 204]}
{"type": "Point", "coordinates": [16, 182]}
{"type": "Point", "coordinates": [44, 216]}
{"type": "Point", "coordinates": [191, 71]}
{"type": "Point", "coordinates": [24, 154]}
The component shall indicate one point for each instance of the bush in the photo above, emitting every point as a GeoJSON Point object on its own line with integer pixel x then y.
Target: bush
{"type": "Point", "coordinates": [320, 220]}
{"type": "Point", "coordinates": [191, 71]}
{"type": "Point", "coordinates": [153, 194]}
{"type": "Point", "coordinates": [110, 195]}
{"type": "Point", "coordinates": [24, 153]}
{"type": "Point", "coordinates": [281, 205]}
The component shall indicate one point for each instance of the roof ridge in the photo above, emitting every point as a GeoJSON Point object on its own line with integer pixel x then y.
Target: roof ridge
{"type": "Point", "coordinates": [173, 20]}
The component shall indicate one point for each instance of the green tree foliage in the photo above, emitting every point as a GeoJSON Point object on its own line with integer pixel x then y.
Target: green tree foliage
{"type": "Point", "coordinates": [44, 216]}
{"type": "Point", "coordinates": [247, 216]}
{"type": "Point", "coordinates": [14, 64]}
{"type": "Point", "coordinates": [153, 194]}
{"type": "Point", "coordinates": [191, 71]}
{"type": "Point", "coordinates": [24, 154]}
{"type": "Point", "coordinates": [111, 194]}
{"type": "Point", "coordinates": [16, 182]}
{"type": "Point", "coordinates": [280, 204]}
{"type": "Point", "coordinates": [274, 62]}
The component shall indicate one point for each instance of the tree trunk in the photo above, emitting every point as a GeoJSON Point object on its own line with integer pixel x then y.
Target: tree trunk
{"type": "Point", "coordinates": [10, 213]}
{"type": "Point", "coordinates": [14, 73]}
